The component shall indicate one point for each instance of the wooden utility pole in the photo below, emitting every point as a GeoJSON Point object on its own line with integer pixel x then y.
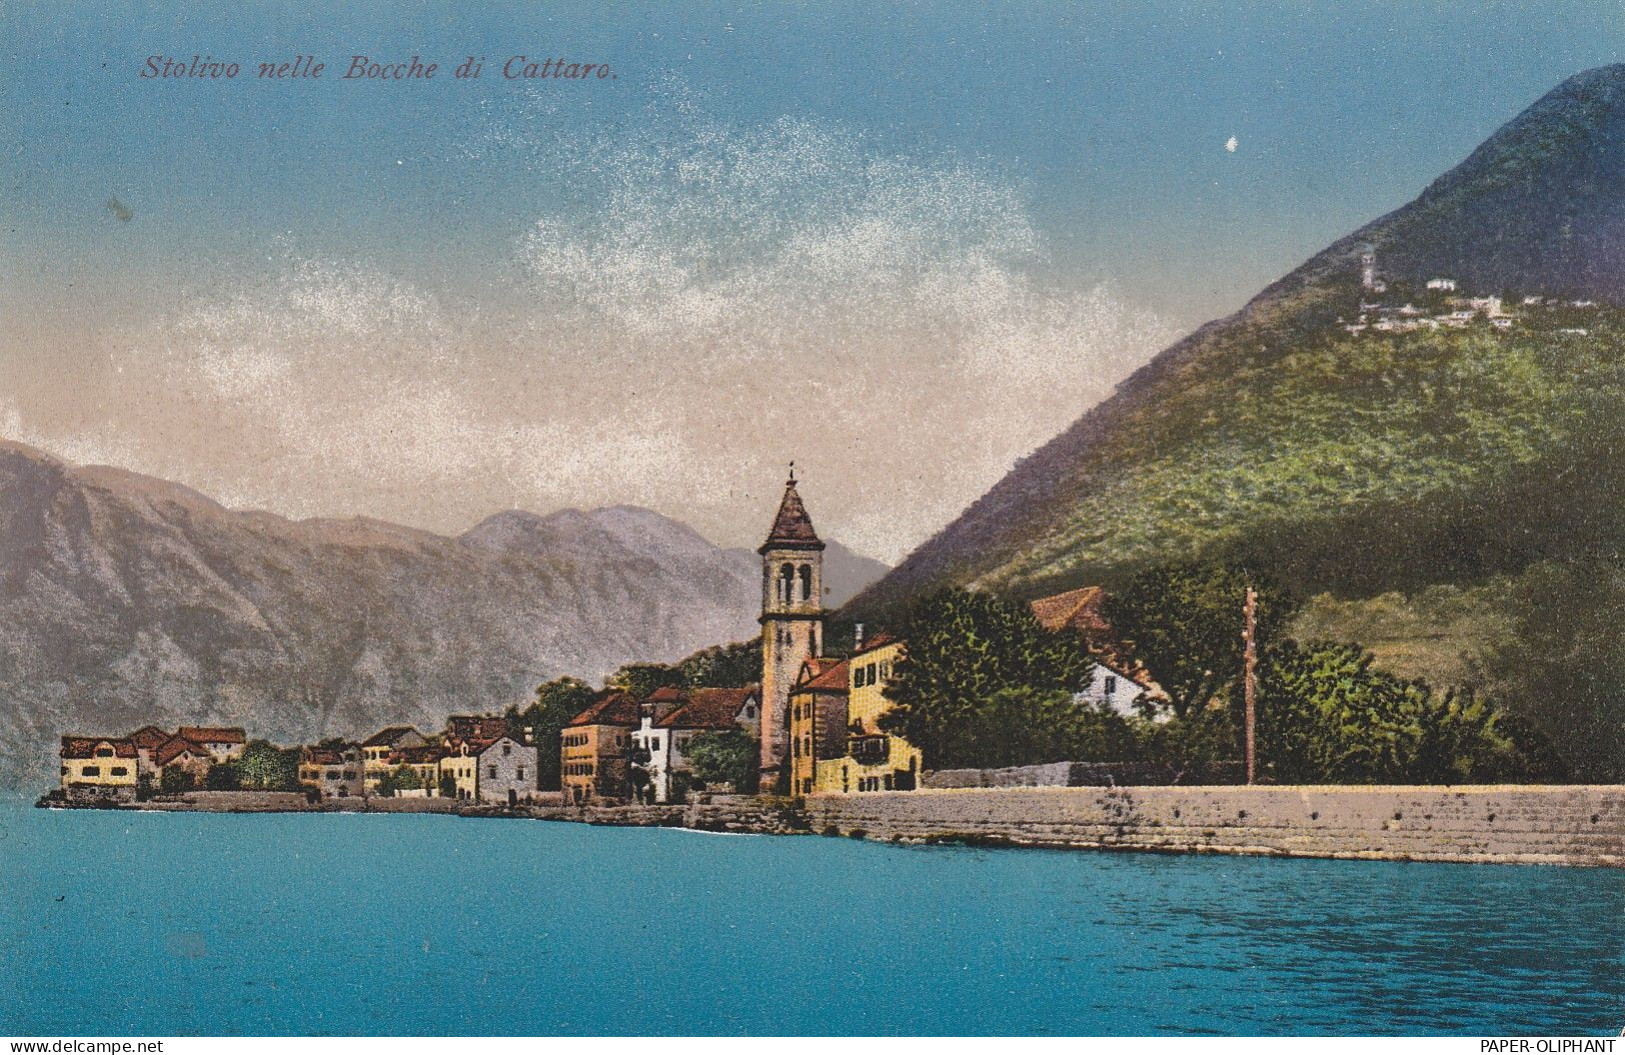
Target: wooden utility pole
{"type": "Point", "coordinates": [1249, 666]}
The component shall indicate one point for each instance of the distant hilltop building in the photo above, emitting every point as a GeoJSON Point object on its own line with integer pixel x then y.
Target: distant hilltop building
{"type": "Point", "coordinates": [1368, 272]}
{"type": "Point", "coordinates": [1447, 285]}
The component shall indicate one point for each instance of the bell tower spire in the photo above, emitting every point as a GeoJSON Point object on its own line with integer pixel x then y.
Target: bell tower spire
{"type": "Point", "coordinates": [792, 618]}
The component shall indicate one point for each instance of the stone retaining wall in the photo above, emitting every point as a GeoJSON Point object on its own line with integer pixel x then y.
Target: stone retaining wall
{"type": "Point", "coordinates": [1575, 825]}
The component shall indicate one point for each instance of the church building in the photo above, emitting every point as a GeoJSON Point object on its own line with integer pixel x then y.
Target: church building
{"type": "Point", "coordinates": [792, 621]}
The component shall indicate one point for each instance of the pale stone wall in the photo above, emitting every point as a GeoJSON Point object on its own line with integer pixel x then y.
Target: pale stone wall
{"type": "Point", "coordinates": [1582, 825]}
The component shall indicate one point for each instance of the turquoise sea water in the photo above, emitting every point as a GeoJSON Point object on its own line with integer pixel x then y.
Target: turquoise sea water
{"type": "Point", "coordinates": [164, 924]}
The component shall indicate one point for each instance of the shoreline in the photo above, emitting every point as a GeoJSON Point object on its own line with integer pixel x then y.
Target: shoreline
{"type": "Point", "coordinates": [1563, 825]}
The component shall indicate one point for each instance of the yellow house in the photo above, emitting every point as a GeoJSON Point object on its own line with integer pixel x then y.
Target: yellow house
{"type": "Point", "coordinates": [817, 714]}
{"type": "Point", "coordinates": [594, 750]}
{"type": "Point", "coordinates": [377, 748]}
{"type": "Point", "coordinates": [461, 763]}
{"type": "Point", "coordinates": [874, 760]}
{"type": "Point", "coordinates": [93, 768]}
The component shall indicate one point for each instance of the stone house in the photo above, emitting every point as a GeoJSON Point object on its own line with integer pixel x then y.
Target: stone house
{"type": "Point", "coordinates": [182, 754]}
{"type": "Point", "coordinates": [504, 770]}
{"type": "Point", "coordinates": [148, 740]}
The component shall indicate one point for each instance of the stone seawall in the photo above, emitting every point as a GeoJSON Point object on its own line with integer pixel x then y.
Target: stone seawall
{"type": "Point", "coordinates": [1571, 825]}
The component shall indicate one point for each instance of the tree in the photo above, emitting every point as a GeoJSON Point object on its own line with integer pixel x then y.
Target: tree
{"type": "Point", "coordinates": [724, 758]}
{"type": "Point", "coordinates": [401, 778]}
{"type": "Point", "coordinates": [962, 649]}
{"type": "Point", "coordinates": [175, 779]}
{"type": "Point", "coordinates": [1326, 715]}
{"type": "Point", "coordinates": [639, 680]}
{"type": "Point", "coordinates": [1021, 725]}
{"type": "Point", "coordinates": [223, 776]}
{"type": "Point", "coordinates": [1561, 672]}
{"type": "Point", "coordinates": [448, 786]}
{"type": "Point", "coordinates": [266, 767]}
{"type": "Point", "coordinates": [556, 702]}
{"type": "Point", "coordinates": [1183, 622]}
{"type": "Point", "coordinates": [724, 666]}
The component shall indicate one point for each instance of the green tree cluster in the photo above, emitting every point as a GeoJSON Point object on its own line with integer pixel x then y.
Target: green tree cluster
{"type": "Point", "coordinates": [724, 758]}
{"type": "Point", "coordinates": [1326, 715]}
{"type": "Point", "coordinates": [265, 767]}
{"type": "Point", "coordinates": [963, 650]}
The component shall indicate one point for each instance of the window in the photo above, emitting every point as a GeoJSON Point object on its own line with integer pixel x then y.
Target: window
{"type": "Point", "coordinates": [869, 674]}
{"type": "Point", "coordinates": [1111, 684]}
{"type": "Point", "coordinates": [91, 771]}
{"type": "Point", "coordinates": [507, 749]}
{"type": "Point", "coordinates": [844, 785]}
{"type": "Point", "coordinates": [521, 772]}
{"type": "Point", "coordinates": [806, 582]}
{"type": "Point", "coordinates": [118, 771]}
{"type": "Point", "coordinates": [491, 771]}
{"type": "Point", "coordinates": [888, 781]}
{"type": "Point", "coordinates": [654, 743]}
{"type": "Point", "coordinates": [104, 752]}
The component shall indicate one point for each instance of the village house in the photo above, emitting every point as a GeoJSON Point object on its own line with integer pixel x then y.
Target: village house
{"type": "Point", "coordinates": [499, 769]}
{"type": "Point", "coordinates": [1117, 689]}
{"type": "Point", "coordinates": [873, 759]}
{"type": "Point", "coordinates": [186, 760]}
{"type": "Point", "coordinates": [376, 749]}
{"type": "Point", "coordinates": [594, 748]}
{"type": "Point", "coordinates": [477, 727]}
{"type": "Point", "coordinates": [148, 740]}
{"type": "Point", "coordinates": [335, 772]}
{"type": "Point", "coordinates": [421, 765]}
{"type": "Point", "coordinates": [98, 768]}
{"type": "Point", "coordinates": [671, 719]}
{"type": "Point", "coordinates": [223, 744]}
{"type": "Point", "coordinates": [818, 720]}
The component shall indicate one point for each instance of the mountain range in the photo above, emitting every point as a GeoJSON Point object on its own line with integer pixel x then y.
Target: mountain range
{"type": "Point", "coordinates": [126, 599]}
{"type": "Point", "coordinates": [1437, 474]}
{"type": "Point", "coordinates": [1357, 464]}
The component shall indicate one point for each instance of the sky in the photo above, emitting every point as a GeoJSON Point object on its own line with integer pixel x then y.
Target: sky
{"type": "Point", "coordinates": [902, 245]}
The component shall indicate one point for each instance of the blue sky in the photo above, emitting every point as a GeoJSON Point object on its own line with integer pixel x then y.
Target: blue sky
{"type": "Point", "coordinates": [1097, 129]}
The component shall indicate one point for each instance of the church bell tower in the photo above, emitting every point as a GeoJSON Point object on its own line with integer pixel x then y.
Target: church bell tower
{"type": "Point", "coordinates": [792, 619]}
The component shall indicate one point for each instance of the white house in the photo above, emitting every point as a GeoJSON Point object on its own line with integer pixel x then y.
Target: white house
{"type": "Point", "coordinates": [1113, 688]}
{"type": "Point", "coordinates": [223, 744]}
{"type": "Point", "coordinates": [1446, 284]}
{"type": "Point", "coordinates": [670, 720]}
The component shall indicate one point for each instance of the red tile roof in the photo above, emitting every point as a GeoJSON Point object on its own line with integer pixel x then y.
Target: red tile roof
{"type": "Point", "coordinates": [148, 736]}
{"type": "Point", "coordinates": [85, 746]}
{"type": "Point", "coordinates": [389, 737]}
{"type": "Point", "coordinates": [466, 726]}
{"type": "Point", "coordinates": [792, 528]}
{"type": "Point", "coordinates": [613, 708]}
{"type": "Point", "coordinates": [176, 746]}
{"type": "Point", "coordinates": [1079, 609]}
{"type": "Point", "coordinates": [880, 640]}
{"type": "Point", "coordinates": [417, 756]}
{"type": "Point", "coordinates": [823, 675]}
{"type": "Point", "coordinates": [709, 709]}
{"type": "Point", "coordinates": [322, 756]}
{"type": "Point", "coordinates": [210, 734]}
